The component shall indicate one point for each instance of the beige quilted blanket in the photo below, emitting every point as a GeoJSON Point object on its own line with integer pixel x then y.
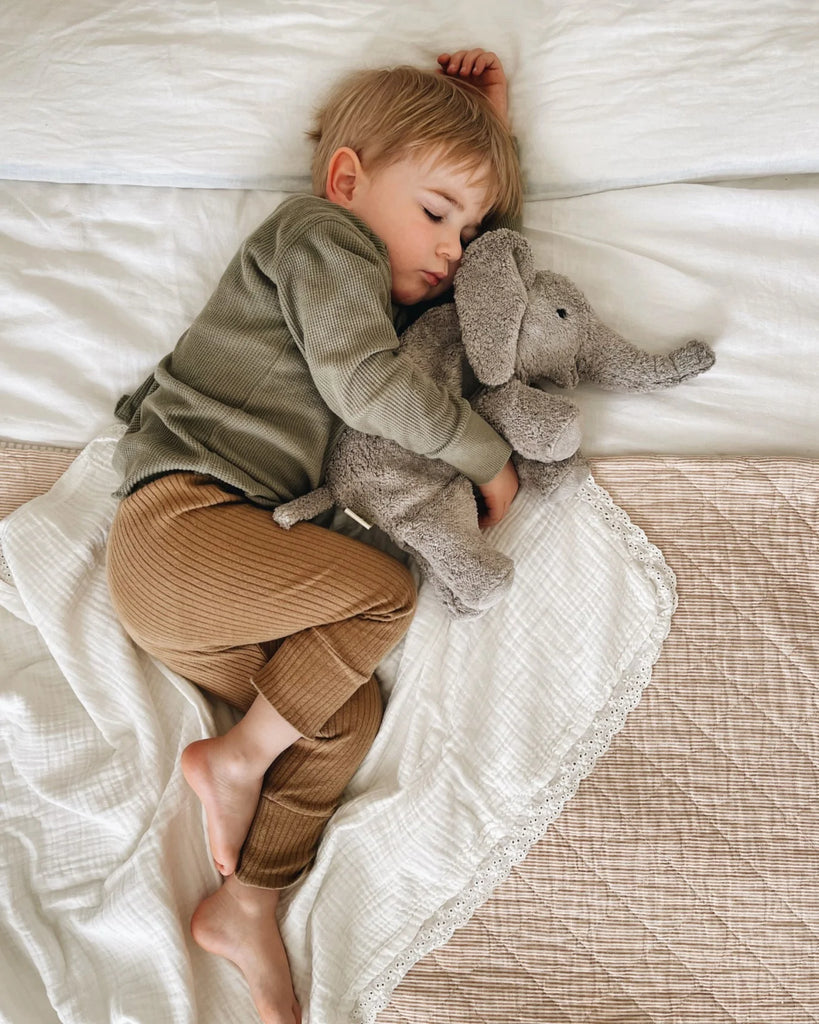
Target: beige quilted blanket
{"type": "Point", "coordinates": [681, 884]}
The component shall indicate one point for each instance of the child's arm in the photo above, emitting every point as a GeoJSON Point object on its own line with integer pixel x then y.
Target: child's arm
{"type": "Point", "coordinates": [333, 283]}
{"type": "Point", "coordinates": [482, 69]}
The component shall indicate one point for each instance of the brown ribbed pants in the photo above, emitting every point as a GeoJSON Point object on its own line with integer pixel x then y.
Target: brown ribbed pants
{"type": "Point", "coordinates": [213, 587]}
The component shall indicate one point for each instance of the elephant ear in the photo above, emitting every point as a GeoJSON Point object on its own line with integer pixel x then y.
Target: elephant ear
{"type": "Point", "coordinates": [491, 298]}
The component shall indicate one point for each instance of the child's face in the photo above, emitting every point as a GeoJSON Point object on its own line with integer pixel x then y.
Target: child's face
{"type": "Point", "coordinates": [424, 212]}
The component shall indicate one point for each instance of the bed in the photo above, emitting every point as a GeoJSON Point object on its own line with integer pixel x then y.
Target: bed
{"type": "Point", "coordinates": [652, 853]}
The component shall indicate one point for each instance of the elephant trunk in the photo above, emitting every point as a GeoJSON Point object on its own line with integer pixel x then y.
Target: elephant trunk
{"type": "Point", "coordinates": [611, 362]}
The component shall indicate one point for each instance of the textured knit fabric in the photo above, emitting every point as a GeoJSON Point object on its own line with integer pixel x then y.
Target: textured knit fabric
{"type": "Point", "coordinates": [297, 338]}
{"type": "Point", "coordinates": [206, 581]}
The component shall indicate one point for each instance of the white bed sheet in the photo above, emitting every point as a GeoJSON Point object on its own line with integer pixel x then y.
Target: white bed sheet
{"type": "Point", "coordinates": [606, 95]}
{"type": "Point", "coordinates": [98, 281]}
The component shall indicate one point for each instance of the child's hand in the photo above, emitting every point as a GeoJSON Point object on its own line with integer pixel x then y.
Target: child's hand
{"type": "Point", "coordinates": [484, 70]}
{"type": "Point", "coordinates": [498, 494]}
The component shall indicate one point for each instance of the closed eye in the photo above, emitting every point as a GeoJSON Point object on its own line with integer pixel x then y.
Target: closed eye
{"type": "Point", "coordinates": [468, 235]}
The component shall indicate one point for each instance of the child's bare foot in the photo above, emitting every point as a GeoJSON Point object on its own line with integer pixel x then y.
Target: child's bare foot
{"type": "Point", "coordinates": [238, 922]}
{"type": "Point", "coordinates": [226, 773]}
{"type": "Point", "coordinates": [229, 793]}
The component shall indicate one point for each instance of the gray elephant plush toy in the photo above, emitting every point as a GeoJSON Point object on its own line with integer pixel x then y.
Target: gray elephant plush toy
{"type": "Point", "coordinates": [517, 326]}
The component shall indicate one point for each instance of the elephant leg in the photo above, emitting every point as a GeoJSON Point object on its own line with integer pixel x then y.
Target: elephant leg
{"type": "Point", "coordinates": [456, 608]}
{"type": "Point", "coordinates": [546, 477]}
{"type": "Point", "coordinates": [446, 535]}
{"type": "Point", "coordinates": [537, 424]}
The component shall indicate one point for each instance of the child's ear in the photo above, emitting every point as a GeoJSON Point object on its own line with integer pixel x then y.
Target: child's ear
{"type": "Point", "coordinates": [344, 175]}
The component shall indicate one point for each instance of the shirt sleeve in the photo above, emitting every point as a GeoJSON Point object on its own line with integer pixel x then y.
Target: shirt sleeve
{"type": "Point", "coordinates": [334, 291]}
{"type": "Point", "coordinates": [129, 405]}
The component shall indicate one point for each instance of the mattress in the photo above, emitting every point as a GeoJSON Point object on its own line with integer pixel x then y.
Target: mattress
{"type": "Point", "coordinates": [671, 158]}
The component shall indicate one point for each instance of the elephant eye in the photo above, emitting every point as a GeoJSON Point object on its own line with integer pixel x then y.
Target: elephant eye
{"type": "Point", "coordinates": [562, 314]}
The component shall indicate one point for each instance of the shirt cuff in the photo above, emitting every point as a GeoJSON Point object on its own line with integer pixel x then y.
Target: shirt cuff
{"type": "Point", "coordinates": [480, 453]}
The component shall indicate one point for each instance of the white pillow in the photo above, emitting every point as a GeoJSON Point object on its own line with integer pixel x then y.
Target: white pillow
{"type": "Point", "coordinates": [604, 95]}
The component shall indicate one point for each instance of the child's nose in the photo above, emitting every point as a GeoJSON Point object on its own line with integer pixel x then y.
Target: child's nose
{"type": "Point", "coordinates": [450, 248]}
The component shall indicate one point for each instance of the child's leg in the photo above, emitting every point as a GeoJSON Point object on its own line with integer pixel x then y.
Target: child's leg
{"type": "Point", "coordinates": [300, 792]}
{"type": "Point", "coordinates": [214, 588]}
{"type": "Point", "coordinates": [298, 795]}
{"type": "Point", "coordinates": [303, 788]}
{"type": "Point", "coordinates": [226, 773]}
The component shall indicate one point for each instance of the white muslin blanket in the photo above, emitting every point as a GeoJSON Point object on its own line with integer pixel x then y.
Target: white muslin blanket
{"type": "Point", "coordinates": [489, 727]}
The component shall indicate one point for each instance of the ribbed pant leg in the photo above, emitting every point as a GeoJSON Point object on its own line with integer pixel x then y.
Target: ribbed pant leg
{"type": "Point", "coordinates": [215, 589]}
{"type": "Point", "coordinates": [303, 788]}
{"type": "Point", "coordinates": [218, 591]}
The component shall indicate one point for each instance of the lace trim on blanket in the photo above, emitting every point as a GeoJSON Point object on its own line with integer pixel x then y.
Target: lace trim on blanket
{"type": "Point", "coordinates": [549, 803]}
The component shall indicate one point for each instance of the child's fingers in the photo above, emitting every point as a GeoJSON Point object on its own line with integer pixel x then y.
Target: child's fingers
{"type": "Point", "coordinates": [459, 62]}
{"type": "Point", "coordinates": [451, 62]}
{"type": "Point", "coordinates": [483, 60]}
{"type": "Point", "coordinates": [468, 62]}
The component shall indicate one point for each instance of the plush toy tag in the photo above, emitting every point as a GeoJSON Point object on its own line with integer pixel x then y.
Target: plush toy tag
{"type": "Point", "coordinates": [363, 522]}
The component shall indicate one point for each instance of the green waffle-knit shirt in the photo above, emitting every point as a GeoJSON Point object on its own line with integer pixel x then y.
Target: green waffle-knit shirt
{"type": "Point", "coordinates": [297, 339]}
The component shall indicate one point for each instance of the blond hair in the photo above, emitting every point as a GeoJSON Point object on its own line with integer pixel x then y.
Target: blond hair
{"type": "Point", "coordinates": [388, 114]}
